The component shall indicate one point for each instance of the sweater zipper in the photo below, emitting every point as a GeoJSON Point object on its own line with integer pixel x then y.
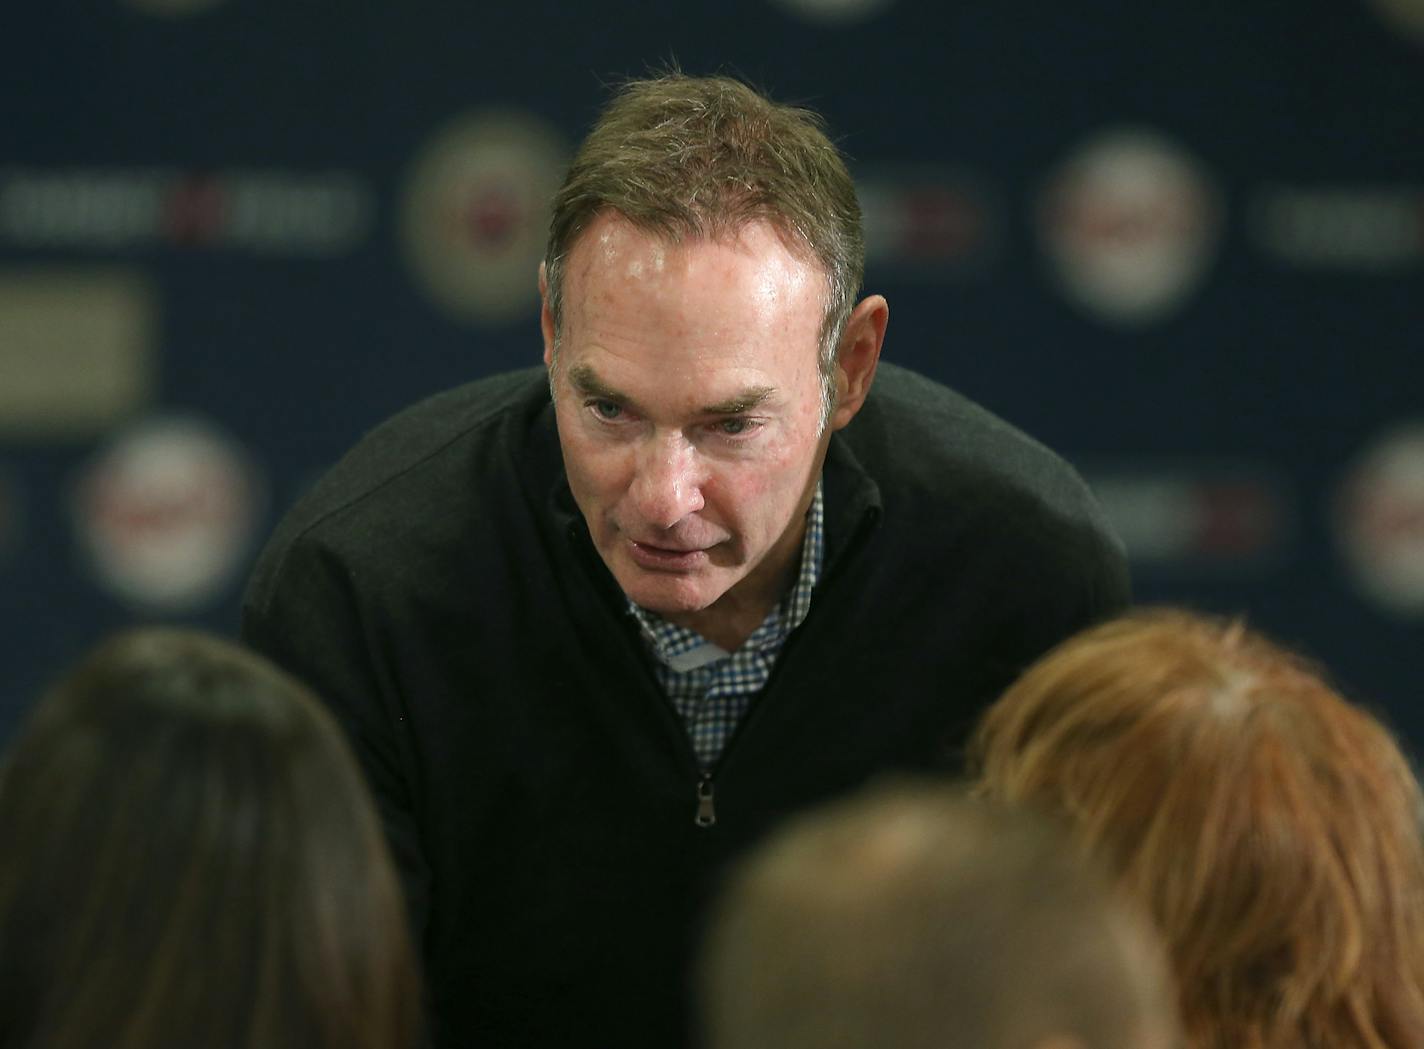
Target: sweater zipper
{"type": "Point", "coordinates": [706, 802]}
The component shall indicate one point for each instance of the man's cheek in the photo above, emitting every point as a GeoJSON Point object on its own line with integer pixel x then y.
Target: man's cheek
{"type": "Point", "coordinates": [750, 488]}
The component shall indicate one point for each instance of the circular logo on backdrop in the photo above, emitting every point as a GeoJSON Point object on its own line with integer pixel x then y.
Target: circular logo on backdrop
{"type": "Point", "coordinates": [167, 513]}
{"type": "Point", "coordinates": [1129, 223]}
{"type": "Point", "coordinates": [835, 12]}
{"type": "Point", "coordinates": [1380, 518]}
{"type": "Point", "coordinates": [476, 214]}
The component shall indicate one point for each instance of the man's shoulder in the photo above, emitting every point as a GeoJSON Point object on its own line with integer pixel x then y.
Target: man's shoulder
{"type": "Point", "coordinates": [426, 462]}
{"type": "Point", "coordinates": [961, 489]}
{"type": "Point", "coordinates": [919, 432]}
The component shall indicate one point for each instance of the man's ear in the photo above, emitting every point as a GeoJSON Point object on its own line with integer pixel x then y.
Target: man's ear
{"type": "Point", "coordinates": [859, 354]}
{"type": "Point", "coordinates": [546, 319]}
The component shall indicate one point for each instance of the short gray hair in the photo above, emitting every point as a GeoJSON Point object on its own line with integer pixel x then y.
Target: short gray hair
{"type": "Point", "coordinates": [687, 157]}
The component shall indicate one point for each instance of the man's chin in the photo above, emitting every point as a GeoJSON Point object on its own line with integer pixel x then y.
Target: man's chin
{"type": "Point", "coordinates": [669, 596]}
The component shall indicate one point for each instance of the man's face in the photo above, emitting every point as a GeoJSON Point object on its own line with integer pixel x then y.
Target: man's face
{"type": "Point", "coordinates": [688, 401]}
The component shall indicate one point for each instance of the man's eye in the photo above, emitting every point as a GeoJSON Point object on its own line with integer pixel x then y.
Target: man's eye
{"type": "Point", "coordinates": [608, 411]}
{"type": "Point", "coordinates": [735, 427]}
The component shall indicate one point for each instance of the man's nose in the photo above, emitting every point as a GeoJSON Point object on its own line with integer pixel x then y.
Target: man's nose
{"type": "Point", "coordinates": [668, 485]}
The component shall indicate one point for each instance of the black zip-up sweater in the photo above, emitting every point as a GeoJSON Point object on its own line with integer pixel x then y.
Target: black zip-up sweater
{"type": "Point", "coordinates": [439, 589]}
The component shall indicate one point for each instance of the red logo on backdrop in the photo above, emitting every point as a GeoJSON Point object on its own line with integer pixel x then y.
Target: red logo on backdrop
{"type": "Point", "coordinates": [1232, 517]}
{"type": "Point", "coordinates": [1380, 519]}
{"type": "Point", "coordinates": [195, 212]}
{"type": "Point", "coordinates": [167, 513]}
{"type": "Point", "coordinates": [476, 214]}
{"type": "Point", "coordinates": [1129, 223]}
{"type": "Point", "coordinates": [924, 224]}
{"type": "Point", "coordinates": [492, 216]}
{"type": "Point", "coordinates": [266, 212]}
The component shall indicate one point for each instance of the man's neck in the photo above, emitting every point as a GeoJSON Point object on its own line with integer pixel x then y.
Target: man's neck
{"type": "Point", "coordinates": [727, 629]}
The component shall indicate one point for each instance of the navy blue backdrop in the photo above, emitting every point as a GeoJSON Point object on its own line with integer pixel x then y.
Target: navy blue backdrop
{"type": "Point", "coordinates": [1181, 243]}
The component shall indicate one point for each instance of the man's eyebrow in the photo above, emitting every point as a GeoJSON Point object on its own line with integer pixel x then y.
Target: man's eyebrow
{"type": "Point", "coordinates": [586, 382]}
{"type": "Point", "coordinates": [744, 401]}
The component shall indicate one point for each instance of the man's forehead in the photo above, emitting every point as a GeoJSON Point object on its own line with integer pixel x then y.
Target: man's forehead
{"type": "Point", "coordinates": [612, 240]}
{"type": "Point", "coordinates": [610, 234]}
{"type": "Point", "coordinates": [713, 290]}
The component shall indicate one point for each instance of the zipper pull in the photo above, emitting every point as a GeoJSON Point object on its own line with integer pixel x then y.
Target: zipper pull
{"type": "Point", "coordinates": [706, 809]}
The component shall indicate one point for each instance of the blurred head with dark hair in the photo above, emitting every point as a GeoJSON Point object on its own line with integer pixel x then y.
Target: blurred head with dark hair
{"type": "Point", "coordinates": [190, 858]}
{"type": "Point", "coordinates": [916, 918]}
{"type": "Point", "coordinates": [1270, 828]}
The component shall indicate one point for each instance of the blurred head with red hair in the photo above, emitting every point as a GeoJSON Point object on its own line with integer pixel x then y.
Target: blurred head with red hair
{"type": "Point", "coordinates": [1270, 828]}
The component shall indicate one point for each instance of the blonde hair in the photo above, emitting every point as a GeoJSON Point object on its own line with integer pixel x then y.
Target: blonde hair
{"type": "Point", "coordinates": [916, 917]}
{"type": "Point", "coordinates": [1270, 828]}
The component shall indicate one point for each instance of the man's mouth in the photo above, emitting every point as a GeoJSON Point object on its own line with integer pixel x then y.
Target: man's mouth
{"type": "Point", "coordinates": [666, 558]}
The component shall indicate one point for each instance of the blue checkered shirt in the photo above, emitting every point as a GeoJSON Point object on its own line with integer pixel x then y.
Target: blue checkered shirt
{"type": "Point", "coordinates": [711, 688]}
